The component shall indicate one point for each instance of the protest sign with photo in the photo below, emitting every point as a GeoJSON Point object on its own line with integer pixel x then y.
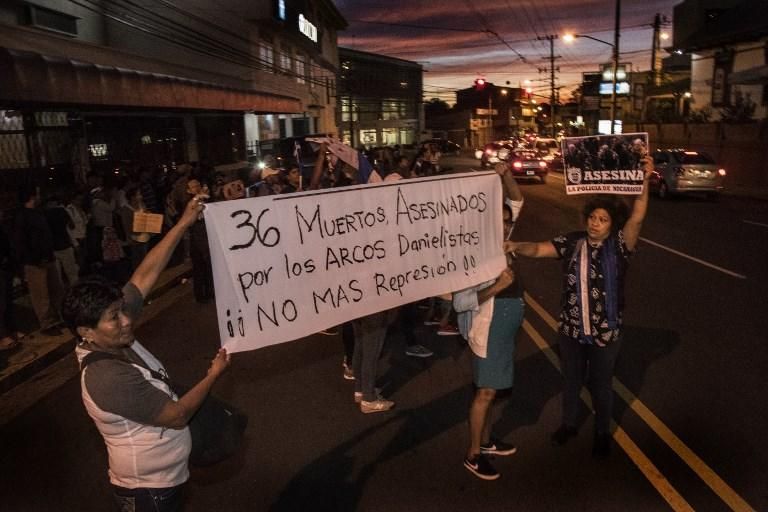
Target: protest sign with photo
{"type": "Point", "coordinates": [288, 266]}
{"type": "Point", "coordinates": [604, 164]}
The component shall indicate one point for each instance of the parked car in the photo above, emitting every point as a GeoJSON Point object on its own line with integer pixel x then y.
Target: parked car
{"type": "Point", "coordinates": [678, 171]}
{"type": "Point", "coordinates": [445, 146]}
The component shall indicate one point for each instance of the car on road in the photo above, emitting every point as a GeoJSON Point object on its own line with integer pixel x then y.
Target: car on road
{"type": "Point", "coordinates": [494, 152]}
{"type": "Point", "coordinates": [679, 171]}
{"type": "Point", "coordinates": [527, 164]}
{"type": "Point", "coordinates": [549, 150]}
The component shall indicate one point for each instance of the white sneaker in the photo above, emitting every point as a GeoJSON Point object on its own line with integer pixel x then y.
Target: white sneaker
{"type": "Point", "coordinates": [379, 405]}
{"type": "Point", "coordinates": [348, 374]}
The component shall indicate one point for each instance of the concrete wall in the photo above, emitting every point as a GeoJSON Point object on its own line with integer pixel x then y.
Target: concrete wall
{"type": "Point", "coordinates": [742, 149]}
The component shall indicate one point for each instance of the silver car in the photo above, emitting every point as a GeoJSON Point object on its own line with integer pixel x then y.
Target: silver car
{"type": "Point", "coordinates": [679, 171]}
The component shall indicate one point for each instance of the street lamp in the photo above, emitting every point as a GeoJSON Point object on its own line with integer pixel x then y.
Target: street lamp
{"type": "Point", "coordinates": [569, 38]}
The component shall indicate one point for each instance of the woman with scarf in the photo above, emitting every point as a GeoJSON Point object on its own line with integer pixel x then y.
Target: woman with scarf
{"type": "Point", "coordinates": [594, 265]}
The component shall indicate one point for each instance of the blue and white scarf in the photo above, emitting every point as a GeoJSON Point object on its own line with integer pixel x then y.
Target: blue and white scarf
{"type": "Point", "coordinates": [582, 257]}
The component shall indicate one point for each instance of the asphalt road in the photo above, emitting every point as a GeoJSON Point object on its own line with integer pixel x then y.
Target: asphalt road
{"type": "Point", "coordinates": [690, 408]}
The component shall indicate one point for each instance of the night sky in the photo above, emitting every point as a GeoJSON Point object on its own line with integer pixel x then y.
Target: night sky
{"type": "Point", "coordinates": [452, 59]}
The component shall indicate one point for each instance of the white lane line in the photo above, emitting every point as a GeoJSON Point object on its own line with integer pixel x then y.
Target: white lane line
{"type": "Point", "coordinates": [635, 454]}
{"type": "Point", "coordinates": [697, 260]}
{"type": "Point", "coordinates": [755, 223]}
{"type": "Point", "coordinates": [557, 176]}
{"type": "Point", "coordinates": [708, 476]}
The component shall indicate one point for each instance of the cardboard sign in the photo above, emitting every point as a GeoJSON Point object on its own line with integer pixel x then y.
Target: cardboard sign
{"type": "Point", "coordinates": [147, 222]}
{"type": "Point", "coordinates": [288, 266]}
{"type": "Point", "coordinates": [604, 164]}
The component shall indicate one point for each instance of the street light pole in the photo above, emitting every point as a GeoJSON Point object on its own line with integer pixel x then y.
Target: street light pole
{"type": "Point", "coordinates": [614, 59]}
{"type": "Point", "coordinates": [615, 65]}
{"type": "Point", "coordinates": [490, 117]}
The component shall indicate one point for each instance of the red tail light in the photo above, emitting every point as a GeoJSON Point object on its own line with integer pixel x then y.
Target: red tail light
{"type": "Point", "coordinates": [517, 165]}
{"type": "Point", "coordinates": [542, 164]}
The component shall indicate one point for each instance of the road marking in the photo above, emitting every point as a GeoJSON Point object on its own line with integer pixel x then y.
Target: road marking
{"type": "Point", "coordinates": [755, 223]}
{"type": "Point", "coordinates": [643, 463]}
{"type": "Point", "coordinates": [556, 176]}
{"type": "Point", "coordinates": [697, 260]}
{"type": "Point", "coordinates": [713, 481]}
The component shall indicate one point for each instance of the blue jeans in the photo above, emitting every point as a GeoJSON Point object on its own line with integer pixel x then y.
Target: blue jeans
{"type": "Point", "coordinates": [577, 359]}
{"type": "Point", "coordinates": [169, 499]}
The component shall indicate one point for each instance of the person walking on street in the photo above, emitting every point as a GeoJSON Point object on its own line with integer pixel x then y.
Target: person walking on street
{"type": "Point", "coordinates": [60, 223]}
{"type": "Point", "coordinates": [35, 246]}
{"type": "Point", "coordinates": [595, 263]}
{"type": "Point", "coordinates": [8, 333]}
{"type": "Point", "coordinates": [143, 422]}
{"type": "Point", "coordinates": [490, 315]}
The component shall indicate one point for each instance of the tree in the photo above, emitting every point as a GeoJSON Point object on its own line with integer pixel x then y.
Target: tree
{"type": "Point", "coordinates": [436, 107]}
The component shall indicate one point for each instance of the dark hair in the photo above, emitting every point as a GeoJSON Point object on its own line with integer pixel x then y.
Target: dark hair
{"type": "Point", "coordinates": [26, 193]}
{"type": "Point", "coordinates": [616, 208]}
{"type": "Point", "coordinates": [87, 300]}
{"type": "Point", "coordinates": [131, 191]}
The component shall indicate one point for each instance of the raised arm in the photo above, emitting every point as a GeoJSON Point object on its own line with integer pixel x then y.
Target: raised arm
{"type": "Point", "coordinates": [639, 209]}
{"type": "Point", "coordinates": [149, 269]}
{"type": "Point", "coordinates": [317, 172]}
{"type": "Point", "coordinates": [511, 190]}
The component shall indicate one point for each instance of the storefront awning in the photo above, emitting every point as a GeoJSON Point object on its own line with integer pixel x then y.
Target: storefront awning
{"type": "Point", "coordinates": [752, 76]}
{"type": "Point", "coordinates": [34, 78]}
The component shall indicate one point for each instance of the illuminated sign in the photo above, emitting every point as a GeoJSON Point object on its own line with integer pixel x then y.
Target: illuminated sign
{"type": "Point", "coordinates": [607, 72]}
{"type": "Point", "coordinates": [621, 88]}
{"type": "Point", "coordinates": [281, 9]}
{"type": "Point", "coordinates": [307, 28]}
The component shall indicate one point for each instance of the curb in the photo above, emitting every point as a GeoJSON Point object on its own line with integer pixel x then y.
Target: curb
{"type": "Point", "coordinates": [46, 356]}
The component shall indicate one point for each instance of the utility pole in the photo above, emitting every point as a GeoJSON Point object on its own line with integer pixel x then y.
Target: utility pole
{"type": "Point", "coordinates": [656, 49]}
{"type": "Point", "coordinates": [552, 57]}
{"type": "Point", "coordinates": [616, 35]}
{"type": "Point", "coordinates": [490, 116]}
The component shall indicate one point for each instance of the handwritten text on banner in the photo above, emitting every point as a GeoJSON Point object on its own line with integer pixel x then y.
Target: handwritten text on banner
{"type": "Point", "coordinates": [288, 266]}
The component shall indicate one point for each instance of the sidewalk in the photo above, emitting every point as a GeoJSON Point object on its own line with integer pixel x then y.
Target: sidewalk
{"type": "Point", "coordinates": [38, 351]}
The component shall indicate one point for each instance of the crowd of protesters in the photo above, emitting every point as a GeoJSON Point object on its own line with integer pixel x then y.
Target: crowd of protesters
{"type": "Point", "coordinates": [92, 231]}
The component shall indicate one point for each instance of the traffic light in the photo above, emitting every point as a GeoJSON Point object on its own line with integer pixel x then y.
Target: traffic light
{"type": "Point", "coordinates": [479, 84]}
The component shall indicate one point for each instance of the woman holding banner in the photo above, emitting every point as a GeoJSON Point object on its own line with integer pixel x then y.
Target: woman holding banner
{"type": "Point", "coordinates": [595, 262]}
{"type": "Point", "coordinates": [489, 316]}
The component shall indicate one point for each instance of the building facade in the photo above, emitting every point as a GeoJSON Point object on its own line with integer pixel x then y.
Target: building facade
{"type": "Point", "coordinates": [379, 99]}
{"type": "Point", "coordinates": [101, 86]}
{"type": "Point", "coordinates": [728, 44]}
{"type": "Point", "coordinates": [495, 112]}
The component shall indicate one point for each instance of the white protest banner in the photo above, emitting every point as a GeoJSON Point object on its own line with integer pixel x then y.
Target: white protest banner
{"type": "Point", "coordinates": [604, 164]}
{"type": "Point", "coordinates": [288, 266]}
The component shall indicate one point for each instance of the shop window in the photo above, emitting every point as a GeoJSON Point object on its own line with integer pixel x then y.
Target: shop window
{"type": "Point", "coordinates": [13, 151]}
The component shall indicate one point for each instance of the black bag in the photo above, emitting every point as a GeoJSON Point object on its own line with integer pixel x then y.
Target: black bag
{"type": "Point", "coordinates": [216, 428]}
